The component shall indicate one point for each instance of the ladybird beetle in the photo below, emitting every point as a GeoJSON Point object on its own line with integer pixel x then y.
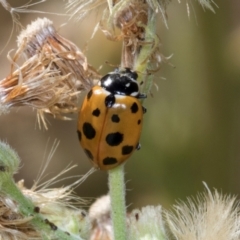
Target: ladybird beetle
{"type": "Point", "coordinates": [110, 119]}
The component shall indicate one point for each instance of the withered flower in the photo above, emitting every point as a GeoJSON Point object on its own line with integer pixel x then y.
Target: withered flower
{"type": "Point", "coordinates": [42, 212]}
{"type": "Point", "coordinates": [54, 73]}
{"type": "Point", "coordinates": [131, 17]}
{"type": "Point", "coordinates": [210, 216]}
{"type": "Point", "coordinates": [129, 21]}
{"type": "Point", "coordinates": [142, 224]}
{"type": "Point", "coordinates": [99, 215]}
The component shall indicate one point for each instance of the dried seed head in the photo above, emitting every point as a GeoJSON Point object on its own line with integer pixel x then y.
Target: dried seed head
{"type": "Point", "coordinates": [23, 211]}
{"type": "Point", "coordinates": [146, 224]}
{"type": "Point", "coordinates": [129, 16]}
{"type": "Point", "coordinates": [142, 224]}
{"type": "Point", "coordinates": [10, 217]}
{"type": "Point", "coordinates": [54, 73]}
{"type": "Point", "coordinates": [132, 18]}
{"type": "Point", "coordinates": [78, 9]}
{"type": "Point", "coordinates": [212, 216]}
{"type": "Point", "coordinates": [56, 205]}
{"type": "Point", "coordinates": [99, 214]}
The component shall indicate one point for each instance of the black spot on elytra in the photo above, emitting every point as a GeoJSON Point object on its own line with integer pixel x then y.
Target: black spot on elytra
{"type": "Point", "coordinates": [115, 118]}
{"type": "Point", "coordinates": [137, 216]}
{"type": "Point", "coordinates": [134, 107]}
{"type": "Point", "coordinates": [88, 130]}
{"type": "Point", "coordinates": [88, 153]}
{"type": "Point", "coordinates": [79, 135]}
{"type": "Point", "coordinates": [109, 161]}
{"type": "Point", "coordinates": [96, 112]}
{"type": "Point", "coordinates": [114, 139]}
{"type": "Point", "coordinates": [110, 100]}
{"type": "Point", "coordinates": [89, 94]}
{"type": "Point", "coordinates": [127, 150]}
{"type": "Point", "coordinates": [139, 121]}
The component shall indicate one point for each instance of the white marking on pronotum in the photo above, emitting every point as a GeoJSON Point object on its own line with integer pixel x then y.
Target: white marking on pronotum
{"type": "Point", "coordinates": [134, 94]}
{"type": "Point", "coordinates": [108, 81]}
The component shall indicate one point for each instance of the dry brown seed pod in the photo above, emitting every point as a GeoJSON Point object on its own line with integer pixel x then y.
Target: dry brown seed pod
{"type": "Point", "coordinates": [54, 73]}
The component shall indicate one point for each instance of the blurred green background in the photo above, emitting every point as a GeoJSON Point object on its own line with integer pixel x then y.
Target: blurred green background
{"type": "Point", "coordinates": [192, 127]}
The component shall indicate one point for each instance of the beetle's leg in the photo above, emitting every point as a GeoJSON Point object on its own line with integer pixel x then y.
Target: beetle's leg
{"type": "Point", "coordinates": [144, 109]}
{"type": "Point", "coordinates": [138, 146]}
{"type": "Point", "coordinates": [142, 95]}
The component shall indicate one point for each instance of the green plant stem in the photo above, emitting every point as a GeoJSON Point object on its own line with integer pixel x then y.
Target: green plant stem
{"type": "Point", "coordinates": [26, 208]}
{"type": "Point", "coordinates": [116, 175]}
{"type": "Point", "coordinates": [117, 195]}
